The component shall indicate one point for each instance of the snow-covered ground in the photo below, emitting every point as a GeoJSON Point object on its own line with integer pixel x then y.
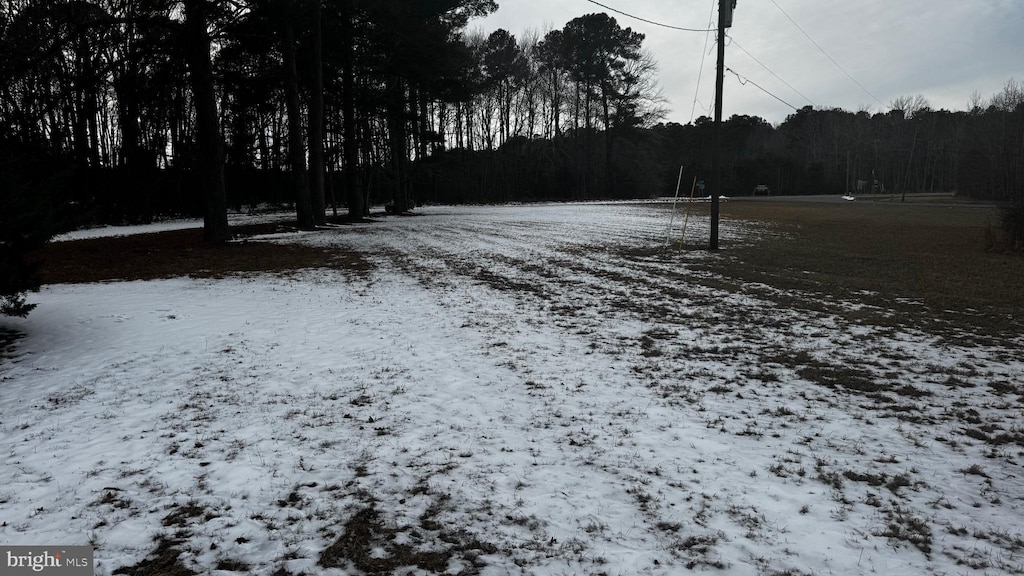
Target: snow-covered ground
{"type": "Point", "coordinates": [264, 214]}
{"type": "Point", "coordinates": [234, 218]}
{"type": "Point", "coordinates": [510, 390]}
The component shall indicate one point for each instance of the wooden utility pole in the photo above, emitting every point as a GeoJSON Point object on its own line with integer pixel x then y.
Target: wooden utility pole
{"type": "Point", "coordinates": [725, 8]}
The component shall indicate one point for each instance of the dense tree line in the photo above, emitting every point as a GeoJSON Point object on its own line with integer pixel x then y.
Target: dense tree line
{"type": "Point", "coordinates": [977, 153]}
{"type": "Point", "coordinates": [187, 106]}
{"type": "Point", "coordinates": [909, 148]}
{"type": "Point", "coordinates": [165, 106]}
{"type": "Point", "coordinates": [125, 109]}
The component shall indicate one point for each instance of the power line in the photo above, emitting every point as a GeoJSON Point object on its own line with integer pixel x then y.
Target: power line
{"type": "Point", "coordinates": [745, 81]}
{"type": "Point", "coordinates": [777, 77]}
{"type": "Point", "coordinates": [703, 54]}
{"type": "Point", "coordinates": [816, 45]}
{"type": "Point", "coordinates": [650, 21]}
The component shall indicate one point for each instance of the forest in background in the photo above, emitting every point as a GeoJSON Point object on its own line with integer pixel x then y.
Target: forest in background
{"type": "Point", "coordinates": [118, 111]}
{"type": "Point", "coordinates": [396, 100]}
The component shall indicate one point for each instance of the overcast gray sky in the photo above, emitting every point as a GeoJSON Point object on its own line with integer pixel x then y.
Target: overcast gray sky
{"type": "Point", "coordinates": [942, 49]}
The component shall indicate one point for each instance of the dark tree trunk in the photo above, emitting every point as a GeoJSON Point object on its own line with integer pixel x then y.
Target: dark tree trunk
{"type": "Point", "coordinates": [396, 136]}
{"type": "Point", "coordinates": [415, 122]}
{"type": "Point", "coordinates": [371, 157]}
{"type": "Point", "coordinates": [458, 125]}
{"type": "Point", "coordinates": [469, 126]}
{"type": "Point", "coordinates": [210, 161]}
{"type": "Point", "coordinates": [296, 150]}
{"type": "Point", "coordinates": [133, 159]}
{"type": "Point", "coordinates": [426, 126]}
{"type": "Point", "coordinates": [609, 185]}
{"type": "Point", "coordinates": [92, 113]}
{"type": "Point", "coordinates": [556, 104]}
{"type": "Point", "coordinates": [84, 129]}
{"type": "Point", "coordinates": [316, 121]}
{"type": "Point", "coordinates": [350, 145]}
{"type": "Point", "coordinates": [80, 131]}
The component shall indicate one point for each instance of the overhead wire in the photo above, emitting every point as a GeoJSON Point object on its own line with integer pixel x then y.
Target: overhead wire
{"type": "Point", "coordinates": [703, 54]}
{"type": "Point", "coordinates": [822, 50]}
{"type": "Point", "coordinates": [650, 21]}
{"type": "Point", "coordinates": [769, 70]}
{"type": "Point", "coordinates": [731, 40]}
{"type": "Point", "coordinates": [745, 81]}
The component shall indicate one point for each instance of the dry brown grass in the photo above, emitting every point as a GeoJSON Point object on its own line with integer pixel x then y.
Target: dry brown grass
{"type": "Point", "coordinates": [182, 253]}
{"type": "Point", "coordinates": [931, 254]}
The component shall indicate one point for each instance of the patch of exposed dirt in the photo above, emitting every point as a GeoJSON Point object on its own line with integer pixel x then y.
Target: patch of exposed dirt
{"type": "Point", "coordinates": [8, 340]}
{"type": "Point", "coordinates": [162, 562]}
{"type": "Point", "coordinates": [183, 253]}
{"type": "Point", "coordinates": [366, 535]}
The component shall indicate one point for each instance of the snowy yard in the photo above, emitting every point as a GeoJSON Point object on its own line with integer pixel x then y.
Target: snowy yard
{"type": "Point", "coordinates": [508, 390]}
